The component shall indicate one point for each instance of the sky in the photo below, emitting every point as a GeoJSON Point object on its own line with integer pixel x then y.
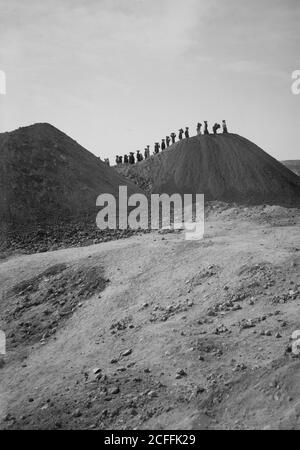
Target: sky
{"type": "Point", "coordinates": [116, 75]}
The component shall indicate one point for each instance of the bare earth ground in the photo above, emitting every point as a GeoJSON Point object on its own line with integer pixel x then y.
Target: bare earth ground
{"type": "Point", "coordinates": [157, 332]}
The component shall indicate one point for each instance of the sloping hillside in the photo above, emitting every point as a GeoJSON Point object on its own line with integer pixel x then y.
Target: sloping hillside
{"type": "Point", "coordinates": [223, 167]}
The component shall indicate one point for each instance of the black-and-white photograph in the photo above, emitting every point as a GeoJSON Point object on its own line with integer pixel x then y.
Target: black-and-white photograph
{"type": "Point", "coordinates": [149, 217]}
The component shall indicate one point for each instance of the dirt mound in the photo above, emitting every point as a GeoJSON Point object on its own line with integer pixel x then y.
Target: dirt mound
{"type": "Point", "coordinates": [47, 176]}
{"type": "Point", "coordinates": [223, 167]}
{"type": "Point", "coordinates": [293, 165]}
{"type": "Point", "coordinates": [48, 190]}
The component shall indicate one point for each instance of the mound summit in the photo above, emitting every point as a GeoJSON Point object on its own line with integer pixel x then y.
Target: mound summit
{"type": "Point", "coordinates": [224, 167]}
{"type": "Point", "coordinates": [45, 175]}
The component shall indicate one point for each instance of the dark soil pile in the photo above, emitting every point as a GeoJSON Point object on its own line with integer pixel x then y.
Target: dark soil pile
{"type": "Point", "coordinates": [223, 167]}
{"type": "Point", "coordinates": [48, 189]}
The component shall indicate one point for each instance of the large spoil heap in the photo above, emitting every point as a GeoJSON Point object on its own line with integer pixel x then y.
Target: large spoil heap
{"type": "Point", "coordinates": [47, 176]}
{"type": "Point", "coordinates": [224, 167]}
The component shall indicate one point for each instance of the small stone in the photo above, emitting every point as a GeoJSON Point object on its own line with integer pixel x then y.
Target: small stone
{"type": "Point", "coordinates": [8, 417]}
{"type": "Point", "coordinates": [268, 333]}
{"type": "Point", "coordinates": [200, 390]}
{"type": "Point", "coordinates": [296, 347]}
{"type": "Point", "coordinates": [296, 334]}
{"type": "Point", "coordinates": [278, 335]}
{"type": "Point", "coordinates": [236, 307]}
{"type": "Point", "coordinates": [152, 394]}
{"type": "Point", "coordinates": [127, 352]}
{"type": "Point", "coordinates": [114, 390]}
{"type": "Point", "coordinates": [180, 373]}
{"type": "Point", "coordinates": [114, 361]}
{"type": "Point", "coordinates": [77, 413]}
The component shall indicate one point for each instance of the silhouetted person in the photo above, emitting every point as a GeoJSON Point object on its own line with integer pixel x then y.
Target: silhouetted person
{"type": "Point", "coordinates": [186, 133]}
{"type": "Point", "coordinates": [106, 161]}
{"type": "Point", "coordinates": [156, 147]}
{"type": "Point", "coordinates": [139, 156]}
{"type": "Point", "coordinates": [216, 127]}
{"type": "Point", "coordinates": [168, 141]}
{"type": "Point", "coordinates": [205, 127]}
{"type": "Point", "coordinates": [163, 145]}
{"type": "Point", "coordinates": [199, 125]}
{"type": "Point", "coordinates": [180, 134]}
{"type": "Point", "coordinates": [117, 159]}
{"type": "Point", "coordinates": [120, 159]}
{"type": "Point", "coordinates": [173, 137]}
{"type": "Point", "coordinates": [131, 158]}
{"type": "Point", "coordinates": [147, 152]}
{"type": "Point", "coordinates": [224, 126]}
{"type": "Point", "coordinates": [126, 159]}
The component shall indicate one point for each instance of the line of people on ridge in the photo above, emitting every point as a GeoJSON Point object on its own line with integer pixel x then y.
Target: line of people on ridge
{"type": "Point", "coordinates": [165, 143]}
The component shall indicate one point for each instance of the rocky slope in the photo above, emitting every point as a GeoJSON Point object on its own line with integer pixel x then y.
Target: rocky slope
{"type": "Point", "coordinates": [156, 331]}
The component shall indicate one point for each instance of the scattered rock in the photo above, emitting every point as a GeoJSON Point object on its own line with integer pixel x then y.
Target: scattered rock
{"type": "Point", "coordinates": [152, 394]}
{"type": "Point", "coordinates": [221, 329]}
{"type": "Point", "coordinates": [180, 373]}
{"type": "Point", "coordinates": [296, 334]}
{"type": "Point", "coordinates": [114, 390]}
{"type": "Point", "coordinates": [114, 361]}
{"type": "Point", "coordinates": [77, 413]}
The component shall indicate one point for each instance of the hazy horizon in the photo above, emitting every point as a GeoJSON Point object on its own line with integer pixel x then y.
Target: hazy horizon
{"type": "Point", "coordinates": [116, 75]}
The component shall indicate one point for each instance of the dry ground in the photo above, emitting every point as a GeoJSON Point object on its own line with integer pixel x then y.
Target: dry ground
{"type": "Point", "coordinates": [155, 331]}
